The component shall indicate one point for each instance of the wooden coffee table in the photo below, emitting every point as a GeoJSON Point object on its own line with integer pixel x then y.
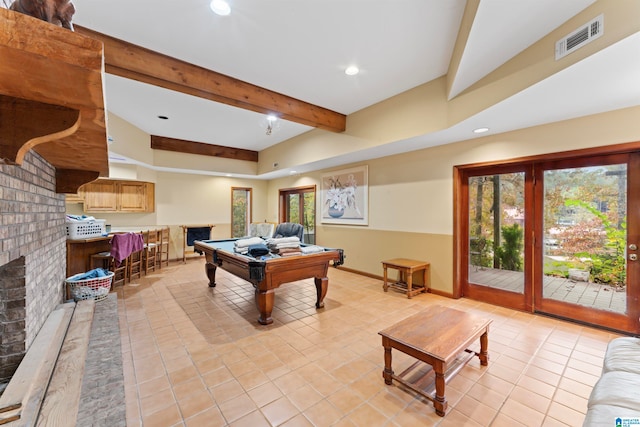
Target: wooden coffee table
{"type": "Point", "coordinates": [439, 337]}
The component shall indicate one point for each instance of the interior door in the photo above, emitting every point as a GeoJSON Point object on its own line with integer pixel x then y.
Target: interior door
{"type": "Point", "coordinates": [587, 245]}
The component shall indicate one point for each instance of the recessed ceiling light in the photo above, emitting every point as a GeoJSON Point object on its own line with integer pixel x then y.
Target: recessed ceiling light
{"type": "Point", "coordinates": [229, 175]}
{"type": "Point", "coordinates": [220, 7]}
{"type": "Point", "coordinates": [163, 117]}
{"type": "Point", "coordinates": [351, 70]}
{"type": "Point", "coordinates": [481, 130]}
{"type": "Point", "coordinates": [292, 172]}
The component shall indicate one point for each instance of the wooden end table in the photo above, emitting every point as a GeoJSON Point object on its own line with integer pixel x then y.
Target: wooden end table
{"type": "Point", "coordinates": [406, 268]}
{"type": "Point", "coordinates": [439, 337]}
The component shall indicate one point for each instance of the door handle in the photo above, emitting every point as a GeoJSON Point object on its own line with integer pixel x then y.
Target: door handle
{"type": "Point", "coordinates": [633, 257]}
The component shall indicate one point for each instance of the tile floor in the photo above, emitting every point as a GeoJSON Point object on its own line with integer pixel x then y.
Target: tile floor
{"type": "Point", "coordinates": [196, 356]}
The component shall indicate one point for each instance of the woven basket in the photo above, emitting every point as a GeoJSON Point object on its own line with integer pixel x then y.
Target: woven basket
{"type": "Point", "coordinates": [97, 288]}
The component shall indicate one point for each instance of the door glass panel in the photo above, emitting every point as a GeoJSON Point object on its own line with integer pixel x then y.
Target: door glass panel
{"type": "Point", "coordinates": [309, 212]}
{"type": "Point", "coordinates": [299, 206]}
{"type": "Point", "coordinates": [240, 211]}
{"type": "Point", "coordinates": [584, 226]}
{"type": "Point", "coordinates": [293, 208]}
{"type": "Point", "coordinates": [496, 231]}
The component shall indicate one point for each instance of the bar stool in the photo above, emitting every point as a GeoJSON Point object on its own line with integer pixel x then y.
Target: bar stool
{"type": "Point", "coordinates": [135, 268]}
{"type": "Point", "coordinates": [106, 261]}
{"type": "Point", "coordinates": [129, 246]}
{"type": "Point", "coordinates": [162, 255]}
{"type": "Point", "coordinates": [150, 238]}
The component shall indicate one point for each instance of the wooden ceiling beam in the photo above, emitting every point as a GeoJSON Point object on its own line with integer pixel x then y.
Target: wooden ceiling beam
{"type": "Point", "coordinates": [138, 63]}
{"type": "Point", "coordinates": [190, 147]}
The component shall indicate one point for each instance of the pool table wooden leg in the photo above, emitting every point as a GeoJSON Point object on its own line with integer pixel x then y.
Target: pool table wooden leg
{"type": "Point", "coordinates": [210, 269]}
{"type": "Point", "coordinates": [264, 302]}
{"type": "Point", "coordinates": [322, 284]}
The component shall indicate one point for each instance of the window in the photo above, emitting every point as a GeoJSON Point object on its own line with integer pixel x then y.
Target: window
{"type": "Point", "coordinates": [299, 205]}
{"type": "Point", "coordinates": [240, 211]}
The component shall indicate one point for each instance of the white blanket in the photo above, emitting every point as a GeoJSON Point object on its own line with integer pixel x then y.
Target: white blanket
{"type": "Point", "coordinates": [311, 249]}
{"type": "Point", "coordinates": [243, 243]}
{"type": "Point", "coordinates": [275, 241]}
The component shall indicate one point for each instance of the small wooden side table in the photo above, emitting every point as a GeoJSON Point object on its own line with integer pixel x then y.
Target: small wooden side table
{"type": "Point", "coordinates": [406, 268]}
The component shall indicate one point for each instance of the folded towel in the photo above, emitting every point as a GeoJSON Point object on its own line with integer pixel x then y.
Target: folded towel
{"type": "Point", "coordinates": [243, 251]}
{"type": "Point", "coordinates": [288, 250]}
{"type": "Point", "coordinates": [292, 253]}
{"type": "Point", "coordinates": [258, 250]}
{"type": "Point", "coordinates": [312, 249]}
{"type": "Point", "coordinates": [285, 245]}
{"type": "Point", "coordinates": [244, 243]}
{"type": "Point", "coordinates": [292, 239]}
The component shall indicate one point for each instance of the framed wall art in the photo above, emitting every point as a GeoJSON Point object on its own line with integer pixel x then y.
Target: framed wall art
{"type": "Point", "coordinates": [345, 196]}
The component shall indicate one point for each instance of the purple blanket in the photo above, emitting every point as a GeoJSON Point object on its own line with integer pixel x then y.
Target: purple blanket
{"type": "Point", "coordinates": [123, 245]}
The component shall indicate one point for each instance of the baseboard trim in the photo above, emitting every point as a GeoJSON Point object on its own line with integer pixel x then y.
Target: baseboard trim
{"type": "Point", "coordinates": [375, 276]}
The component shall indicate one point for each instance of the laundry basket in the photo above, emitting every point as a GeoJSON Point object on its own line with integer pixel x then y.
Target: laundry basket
{"type": "Point", "coordinates": [96, 288]}
{"type": "Point", "coordinates": [86, 229]}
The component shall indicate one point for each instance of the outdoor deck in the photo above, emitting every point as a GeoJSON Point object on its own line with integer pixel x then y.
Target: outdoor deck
{"type": "Point", "coordinates": [595, 295]}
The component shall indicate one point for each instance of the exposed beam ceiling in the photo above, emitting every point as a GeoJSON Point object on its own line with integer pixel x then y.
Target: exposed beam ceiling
{"type": "Point", "coordinates": [137, 63]}
{"type": "Point", "coordinates": [301, 48]}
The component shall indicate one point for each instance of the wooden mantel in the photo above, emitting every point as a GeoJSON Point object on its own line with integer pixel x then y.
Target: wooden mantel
{"type": "Point", "coordinates": [51, 99]}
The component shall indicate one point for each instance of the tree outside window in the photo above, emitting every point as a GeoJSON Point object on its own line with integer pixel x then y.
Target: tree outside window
{"type": "Point", "coordinates": [240, 211]}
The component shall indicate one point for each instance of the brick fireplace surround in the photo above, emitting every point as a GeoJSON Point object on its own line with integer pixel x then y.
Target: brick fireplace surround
{"type": "Point", "coordinates": [32, 255]}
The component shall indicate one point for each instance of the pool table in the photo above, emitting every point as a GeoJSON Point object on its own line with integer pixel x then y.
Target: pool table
{"type": "Point", "coordinates": [268, 272]}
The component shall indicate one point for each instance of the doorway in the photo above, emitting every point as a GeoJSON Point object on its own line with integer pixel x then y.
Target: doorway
{"type": "Point", "coordinates": [552, 236]}
{"type": "Point", "coordinates": [299, 205]}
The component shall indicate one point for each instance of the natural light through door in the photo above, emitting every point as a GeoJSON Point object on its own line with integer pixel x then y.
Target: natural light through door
{"type": "Point", "coordinates": [585, 215]}
{"type": "Point", "coordinates": [496, 231]}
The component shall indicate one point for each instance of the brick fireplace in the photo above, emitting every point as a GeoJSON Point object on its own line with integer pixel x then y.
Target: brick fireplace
{"type": "Point", "coordinates": [32, 255]}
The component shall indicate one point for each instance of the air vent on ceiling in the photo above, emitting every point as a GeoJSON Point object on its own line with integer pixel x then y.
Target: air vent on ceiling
{"type": "Point", "coordinates": [580, 37]}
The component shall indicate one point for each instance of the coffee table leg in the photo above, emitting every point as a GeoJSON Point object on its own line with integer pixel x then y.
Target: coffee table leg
{"type": "Point", "coordinates": [425, 278]}
{"type": "Point", "coordinates": [388, 372]}
{"type": "Point", "coordinates": [384, 283]}
{"type": "Point", "coordinates": [484, 345]}
{"type": "Point", "coordinates": [440, 402]}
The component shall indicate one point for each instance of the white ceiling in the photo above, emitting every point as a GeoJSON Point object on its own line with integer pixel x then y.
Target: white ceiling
{"type": "Point", "coordinates": [300, 48]}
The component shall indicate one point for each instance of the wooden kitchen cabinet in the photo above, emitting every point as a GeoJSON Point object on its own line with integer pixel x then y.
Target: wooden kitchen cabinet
{"type": "Point", "coordinates": [110, 195]}
{"type": "Point", "coordinates": [73, 198]}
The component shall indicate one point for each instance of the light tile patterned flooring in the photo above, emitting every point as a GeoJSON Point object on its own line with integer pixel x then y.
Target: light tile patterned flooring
{"type": "Point", "coordinates": [196, 356]}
